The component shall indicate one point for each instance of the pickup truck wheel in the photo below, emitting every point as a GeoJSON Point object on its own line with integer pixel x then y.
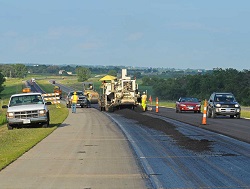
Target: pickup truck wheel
{"type": "Point", "coordinates": [9, 126]}
{"type": "Point", "coordinates": [238, 116]}
{"type": "Point", "coordinates": [46, 124]}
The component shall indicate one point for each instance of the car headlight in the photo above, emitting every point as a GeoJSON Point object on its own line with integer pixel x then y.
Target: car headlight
{"type": "Point", "coordinates": [198, 105]}
{"type": "Point", "coordinates": [10, 114]}
{"type": "Point", "coordinates": [236, 105]}
{"type": "Point", "coordinates": [218, 105]}
{"type": "Point", "coordinates": [42, 112]}
{"type": "Point", "coordinates": [183, 105]}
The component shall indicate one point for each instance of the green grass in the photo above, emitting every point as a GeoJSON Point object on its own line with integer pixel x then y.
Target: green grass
{"type": "Point", "coordinates": [245, 113]}
{"type": "Point", "coordinates": [11, 86]}
{"type": "Point", "coordinates": [18, 141]}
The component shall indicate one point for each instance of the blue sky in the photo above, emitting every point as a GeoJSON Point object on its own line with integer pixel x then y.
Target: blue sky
{"type": "Point", "coordinates": [179, 34]}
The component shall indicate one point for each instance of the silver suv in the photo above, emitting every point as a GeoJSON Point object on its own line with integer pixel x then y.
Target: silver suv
{"type": "Point", "coordinates": [223, 104]}
{"type": "Point", "coordinates": [27, 109]}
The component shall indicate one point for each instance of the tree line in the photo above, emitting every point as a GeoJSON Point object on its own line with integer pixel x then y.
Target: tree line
{"type": "Point", "coordinates": [202, 85]}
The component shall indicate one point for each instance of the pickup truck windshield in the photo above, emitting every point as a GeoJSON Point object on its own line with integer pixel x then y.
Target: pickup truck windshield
{"type": "Point", "coordinates": [26, 99]}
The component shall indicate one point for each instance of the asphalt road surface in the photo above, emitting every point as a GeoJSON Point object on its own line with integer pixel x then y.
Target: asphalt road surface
{"type": "Point", "coordinates": [87, 151]}
{"type": "Point", "coordinates": [236, 128]}
{"type": "Point", "coordinates": [178, 155]}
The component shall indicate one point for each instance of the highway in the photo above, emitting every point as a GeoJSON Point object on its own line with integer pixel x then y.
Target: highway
{"type": "Point", "coordinates": [133, 149]}
{"type": "Point", "coordinates": [179, 155]}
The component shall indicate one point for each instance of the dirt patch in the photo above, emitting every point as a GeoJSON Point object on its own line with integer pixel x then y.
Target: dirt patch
{"type": "Point", "coordinates": [168, 128]}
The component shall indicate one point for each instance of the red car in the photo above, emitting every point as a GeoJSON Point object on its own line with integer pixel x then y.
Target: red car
{"type": "Point", "coordinates": [188, 104]}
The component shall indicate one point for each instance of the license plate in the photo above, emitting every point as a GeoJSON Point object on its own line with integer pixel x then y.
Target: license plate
{"type": "Point", "coordinates": [190, 108]}
{"type": "Point", "coordinates": [26, 121]}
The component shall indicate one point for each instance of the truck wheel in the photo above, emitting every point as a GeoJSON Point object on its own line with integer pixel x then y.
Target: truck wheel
{"type": "Point", "coordinates": [231, 116]}
{"type": "Point", "coordinates": [9, 126]}
{"type": "Point", "coordinates": [238, 116]}
{"type": "Point", "coordinates": [46, 124]}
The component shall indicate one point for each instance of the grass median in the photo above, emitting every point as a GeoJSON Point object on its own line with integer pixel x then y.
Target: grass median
{"type": "Point", "coordinates": [14, 143]}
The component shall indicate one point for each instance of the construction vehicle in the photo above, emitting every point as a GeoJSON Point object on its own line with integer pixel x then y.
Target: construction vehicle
{"type": "Point", "coordinates": [89, 90]}
{"type": "Point", "coordinates": [118, 93]}
{"type": "Point", "coordinates": [58, 90]}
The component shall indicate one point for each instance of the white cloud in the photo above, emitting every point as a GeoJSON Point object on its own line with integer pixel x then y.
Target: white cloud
{"type": "Point", "coordinates": [197, 26]}
{"type": "Point", "coordinates": [90, 45]}
{"type": "Point", "coordinates": [63, 31]}
{"type": "Point", "coordinates": [135, 36]}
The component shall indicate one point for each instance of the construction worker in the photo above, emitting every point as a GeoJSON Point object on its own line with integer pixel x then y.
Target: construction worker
{"type": "Point", "coordinates": [74, 99]}
{"type": "Point", "coordinates": [144, 101]}
{"type": "Point", "coordinates": [88, 100]}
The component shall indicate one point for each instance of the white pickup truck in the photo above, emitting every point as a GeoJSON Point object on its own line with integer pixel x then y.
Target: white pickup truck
{"type": "Point", "coordinates": [27, 109]}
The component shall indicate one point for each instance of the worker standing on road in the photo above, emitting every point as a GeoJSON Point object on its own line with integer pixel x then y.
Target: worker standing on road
{"type": "Point", "coordinates": [74, 99]}
{"type": "Point", "coordinates": [88, 100]}
{"type": "Point", "coordinates": [144, 101]}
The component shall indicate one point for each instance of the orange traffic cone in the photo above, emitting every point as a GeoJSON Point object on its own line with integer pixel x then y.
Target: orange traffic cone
{"type": "Point", "coordinates": [204, 117]}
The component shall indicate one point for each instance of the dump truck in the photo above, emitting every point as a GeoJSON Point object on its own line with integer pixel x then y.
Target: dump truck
{"type": "Point", "coordinates": [118, 93]}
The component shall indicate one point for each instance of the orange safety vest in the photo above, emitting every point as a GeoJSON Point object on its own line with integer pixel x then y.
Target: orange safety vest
{"type": "Point", "coordinates": [74, 99]}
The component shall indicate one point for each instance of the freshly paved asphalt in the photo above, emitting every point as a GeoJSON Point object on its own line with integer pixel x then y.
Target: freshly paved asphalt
{"type": "Point", "coordinates": [87, 151]}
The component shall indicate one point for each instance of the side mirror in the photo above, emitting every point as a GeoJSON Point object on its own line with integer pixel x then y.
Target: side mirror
{"type": "Point", "coordinates": [5, 106]}
{"type": "Point", "coordinates": [48, 103]}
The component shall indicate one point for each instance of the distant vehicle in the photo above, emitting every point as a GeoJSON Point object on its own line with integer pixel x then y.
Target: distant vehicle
{"type": "Point", "coordinates": [82, 101]}
{"type": "Point", "coordinates": [223, 104]}
{"type": "Point", "coordinates": [27, 109]}
{"type": "Point", "coordinates": [26, 90]}
{"type": "Point", "coordinates": [188, 104]}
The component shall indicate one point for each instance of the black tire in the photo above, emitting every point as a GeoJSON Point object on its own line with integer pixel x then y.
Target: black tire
{"type": "Point", "coordinates": [46, 124]}
{"type": "Point", "coordinates": [199, 111]}
{"type": "Point", "coordinates": [213, 115]}
{"type": "Point", "coordinates": [9, 126]}
{"type": "Point", "coordinates": [231, 116]}
{"type": "Point", "coordinates": [238, 116]}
